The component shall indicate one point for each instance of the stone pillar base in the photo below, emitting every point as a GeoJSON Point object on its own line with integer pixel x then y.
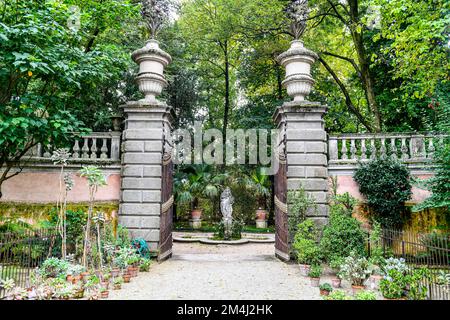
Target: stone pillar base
{"type": "Point", "coordinates": [195, 223]}
{"type": "Point", "coordinates": [261, 224]}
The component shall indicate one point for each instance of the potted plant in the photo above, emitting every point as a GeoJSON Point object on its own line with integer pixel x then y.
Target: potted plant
{"type": "Point", "coordinates": [145, 265]}
{"type": "Point", "coordinates": [115, 272]}
{"type": "Point", "coordinates": [392, 286]}
{"type": "Point", "coordinates": [305, 246]}
{"type": "Point", "coordinates": [335, 264]}
{"type": "Point", "coordinates": [126, 277]}
{"type": "Point", "coordinates": [325, 289]}
{"type": "Point", "coordinates": [117, 283]}
{"type": "Point", "coordinates": [79, 291]}
{"type": "Point", "coordinates": [104, 293]}
{"type": "Point", "coordinates": [133, 262]}
{"type": "Point", "coordinates": [258, 183]}
{"type": "Point", "coordinates": [194, 183]}
{"type": "Point", "coordinates": [314, 275]}
{"type": "Point", "coordinates": [356, 270]}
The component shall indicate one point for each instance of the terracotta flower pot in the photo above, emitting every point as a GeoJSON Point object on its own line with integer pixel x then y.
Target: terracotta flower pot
{"type": "Point", "coordinates": [105, 284]}
{"type": "Point", "coordinates": [117, 286]}
{"type": "Point", "coordinates": [85, 275]}
{"type": "Point", "coordinates": [324, 292]}
{"type": "Point", "coordinates": [196, 214]}
{"type": "Point", "coordinates": [357, 289]}
{"type": "Point", "coordinates": [69, 278]}
{"type": "Point", "coordinates": [304, 269]}
{"type": "Point", "coordinates": [104, 294]}
{"type": "Point", "coordinates": [261, 214]}
{"type": "Point", "coordinates": [76, 279]}
{"type": "Point", "coordinates": [115, 272]}
{"type": "Point", "coordinates": [126, 278]}
{"type": "Point", "coordinates": [336, 282]}
{"type": "Point", "coordinates": [315, 282]}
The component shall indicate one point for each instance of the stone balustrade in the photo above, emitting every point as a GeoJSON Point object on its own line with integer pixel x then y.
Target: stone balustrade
{"type": "Point", "coordinates": [413, 149]}
{"type": "Point", "coordinates": [95, 146]}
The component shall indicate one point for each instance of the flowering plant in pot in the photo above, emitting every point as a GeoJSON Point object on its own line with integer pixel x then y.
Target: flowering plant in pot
{"type": "Point", "coordinates": [117, 283]}
{"type": "Point", "coordinates": [104, 293]}
{"type": "Point", "coordinates": [356, 269]}
{"type": "Point", "coordinates": [393, 285]}
{"type": "Point", "coordinates": [305, 246]}
{"type": "Point", "coordinates": [325, 289]}
{"type": "Point", "coordinates": [314, 275]}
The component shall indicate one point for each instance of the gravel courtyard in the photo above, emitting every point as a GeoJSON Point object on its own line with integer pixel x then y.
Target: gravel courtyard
{"type": "Point", "coordinates": [199, 271]}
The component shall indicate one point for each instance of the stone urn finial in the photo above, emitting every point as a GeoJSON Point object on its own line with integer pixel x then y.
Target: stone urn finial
{"type": "Point", "coordinates": [151, 60]}
{"type": "Point", "coordinates": [297, 61]}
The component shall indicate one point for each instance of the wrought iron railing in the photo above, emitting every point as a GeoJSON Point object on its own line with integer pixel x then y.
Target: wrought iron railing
{"type": "Point", "coordinates": [430, 250]}
{"type": "Point", "coordinates": [21, 253]}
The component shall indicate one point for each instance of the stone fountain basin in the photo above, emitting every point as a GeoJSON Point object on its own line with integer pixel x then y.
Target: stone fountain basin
{"type": "Point", "coordinates": [207, 238]}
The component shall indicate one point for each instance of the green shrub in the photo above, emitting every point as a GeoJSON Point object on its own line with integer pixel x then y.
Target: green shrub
{"type": "Point", "coordinates": [365, 295]}
{"type": "Point", "coordinates": [299, 203]}
{"type": "Point", "coordinates": [326, 287]}
{"type": "Point", "coordinates": [315, 272]}
{"type": "Point", "coordinates": [305, 243]}
{"type": "Point", "coordinates": [386, 184]}
{"type": "Point", "coordinates": [337, 295]}
{"type": "Point", "coordinates": [342, 235]}
{"type": "Point", "coordinates": [54, 268]}
{"type": "Point", "coordinates": [393, 285]}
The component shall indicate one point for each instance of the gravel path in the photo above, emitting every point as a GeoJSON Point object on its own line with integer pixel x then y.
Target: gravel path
{"type": "Point", "coordinates": [199, 271]}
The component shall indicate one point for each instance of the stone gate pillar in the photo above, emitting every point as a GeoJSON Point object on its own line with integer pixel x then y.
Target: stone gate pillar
{"type": "Point", "coordinates": [302, 124]}
{"type": "Point", "coordinates": [145, 150]}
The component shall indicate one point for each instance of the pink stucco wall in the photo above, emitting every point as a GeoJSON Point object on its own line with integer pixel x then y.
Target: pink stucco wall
{"type": "Point", "coordinates": [347, 184]}
{"type": "Point", "coordinates": [43, 187]}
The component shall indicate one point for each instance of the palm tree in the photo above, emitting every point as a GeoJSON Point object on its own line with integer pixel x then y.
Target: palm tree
{"type": "Point", "coordinates": [195, 182]}
{"type": "Point", "coordinates": [259, 184]}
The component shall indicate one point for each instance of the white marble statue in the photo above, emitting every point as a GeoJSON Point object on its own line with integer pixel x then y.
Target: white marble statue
{"type": "Point", "coordinates": [226, 204]}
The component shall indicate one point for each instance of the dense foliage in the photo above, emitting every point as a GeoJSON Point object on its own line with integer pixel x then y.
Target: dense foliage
{"type": "Point", "coordinates": [343, 233]}
{"type": "Point", "coordinates": [386, 185]}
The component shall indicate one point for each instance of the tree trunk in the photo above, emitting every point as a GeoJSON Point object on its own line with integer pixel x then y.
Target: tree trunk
{"type": "Point", "coordinates": [227, 92]}
{"type": "Point", "coordinates": [368, 82]}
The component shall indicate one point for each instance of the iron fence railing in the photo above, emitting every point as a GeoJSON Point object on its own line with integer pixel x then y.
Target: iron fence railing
{"type": "Point", "coordinates": [431, 250]}
{"type": "Point", "coordinates": [21, 253]}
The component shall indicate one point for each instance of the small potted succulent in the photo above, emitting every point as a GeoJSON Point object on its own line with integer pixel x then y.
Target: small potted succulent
{"type": "Point", "coordinates": [145, 264]}
{"type": "Point", "coordinates": [117, 283]}
{"type": "Point", "coordinates": [356, 269]}
{"type": "Point", "coordinates": [325, 289]}
{"type": "Point", "coordinates": [314, 275]}
{"type": "Point", "coordinates": [104, 293]}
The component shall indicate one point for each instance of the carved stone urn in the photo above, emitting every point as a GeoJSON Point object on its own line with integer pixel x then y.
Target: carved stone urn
{"type": "Point", "coordinates": [297, 61]}
{"type": "Point", "coordinates": [151, 60]}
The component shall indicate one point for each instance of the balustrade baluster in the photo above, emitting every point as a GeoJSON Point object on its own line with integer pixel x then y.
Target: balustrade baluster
{"type": "Point", "coordinates": [373, 149]}
{"type": "Point", "coordinates": [344, 150]}
{"type": "Point", "coordinates": [404, 150]}
{"type": "Point", "coordinates": [363, 149]}
{"type": "Point", "coordinates": [85, 148]}
{"type": "Point", "coordinates": [94, 148]}
{"type": "Point", "coordinates": [76, 150]}
{"type": "Point", "coordinates": [383, 148]}
{"type": "Point", "coordinates": [47, 153]}
{"type": "Point", "coordinates": [431, 148]}
{"type": "Point", "coordinates": [104, 150]}
{"type": "Point", "coordinates": [393, 149]}
{"type": "Point", "coordinates": [353, 149]}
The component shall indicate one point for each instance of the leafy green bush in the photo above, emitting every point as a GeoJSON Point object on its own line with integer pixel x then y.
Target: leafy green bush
{"type": "Point", "coordinates": [365, 295]}
{"type": "Point", "coordinates": [326, 287]}
{"type": "Point", "coordinates": [299, 203]}
{"type": "Point", "coordinates": [315, 272]}
{"type": "Point", "coordinates": [386, 184]}
{"type": "Point", "coordinates": [393, 284]}
{"type": "Point", "coordinates": [342, 234]}
{"type": "Point", "coordinates": [54, 268]}
{"type": "Point", "coordinates": [305, 245]}
{"type": "Point", "coordinates": [337, 295]}
{"type": "Point", "coordinates": [75, 222]}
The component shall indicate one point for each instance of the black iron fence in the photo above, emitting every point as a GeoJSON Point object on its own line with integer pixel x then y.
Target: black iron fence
{"type": "Point", "coordinates": [21, 253]}
{"type": "Point", "coordinates": [430, 250]}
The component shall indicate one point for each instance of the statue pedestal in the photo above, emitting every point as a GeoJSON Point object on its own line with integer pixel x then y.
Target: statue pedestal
{"type": "Point", "coordinates": [195, 223]}
{"type": "Point", "coordinates": [261, 224]}
{"type": "Point", "coordinates": [228, 224]}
